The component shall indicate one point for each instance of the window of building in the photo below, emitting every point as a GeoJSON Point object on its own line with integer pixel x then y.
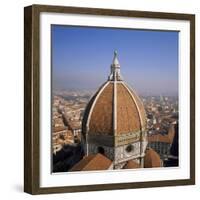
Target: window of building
{"type": "Point", "coordinates": [129, 148]}
{"type": "Point", "coordinates": [101, 150]}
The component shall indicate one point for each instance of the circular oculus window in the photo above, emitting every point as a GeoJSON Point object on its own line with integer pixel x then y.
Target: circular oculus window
{"type": "Point", "coordinates": [129, 148]}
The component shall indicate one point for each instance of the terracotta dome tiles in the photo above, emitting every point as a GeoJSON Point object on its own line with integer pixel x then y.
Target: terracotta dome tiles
{"type": "Point", "coordinates": [140, 106]}
{"type": "Point", "coordinates": [101, 120]}
{"type": "Point", "coordinates": [128, 119]}
{"type": "Point", "coordinates": [99, 114]}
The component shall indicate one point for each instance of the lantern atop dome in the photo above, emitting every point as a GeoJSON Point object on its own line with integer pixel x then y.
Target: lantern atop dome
{"type": "Point", "coordinates": [115, 69]}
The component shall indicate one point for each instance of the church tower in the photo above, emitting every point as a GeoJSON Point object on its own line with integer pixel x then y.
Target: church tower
{"type": "Point", "coordinates": [114, 122]}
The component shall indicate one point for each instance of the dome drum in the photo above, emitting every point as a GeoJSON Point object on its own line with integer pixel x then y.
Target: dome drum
{"type": "Point", "coordinates": [101, 139]}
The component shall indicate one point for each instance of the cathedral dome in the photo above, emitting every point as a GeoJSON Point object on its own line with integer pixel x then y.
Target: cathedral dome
{"type": "Point", "coordinates": [115, 109]}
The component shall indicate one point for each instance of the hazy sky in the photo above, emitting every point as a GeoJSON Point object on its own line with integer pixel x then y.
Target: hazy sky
{"type": "Point", "coordinates": [81, 58]}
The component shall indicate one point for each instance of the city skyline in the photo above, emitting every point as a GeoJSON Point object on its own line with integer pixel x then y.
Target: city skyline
{"type": "Point", "coordinates": [81, 58]}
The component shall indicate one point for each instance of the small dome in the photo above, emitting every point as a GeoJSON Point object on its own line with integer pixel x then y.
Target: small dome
{"type": "Point", "coordinates": [131, 165]}
{"type": "Point", "coordinates": [151, 159]}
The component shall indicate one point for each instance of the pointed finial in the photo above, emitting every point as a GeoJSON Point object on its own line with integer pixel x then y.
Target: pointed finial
{"type": "Point", "coordinates": [115, 69]}
{"type": "Point", "coordinates": [115, 59]}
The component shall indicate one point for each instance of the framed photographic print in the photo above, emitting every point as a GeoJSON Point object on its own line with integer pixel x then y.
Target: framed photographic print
{"type": "Point", "coordinates": [109, 99]}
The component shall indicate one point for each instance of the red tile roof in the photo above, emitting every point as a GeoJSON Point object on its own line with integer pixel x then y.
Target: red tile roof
{"type": "Point", "coordinates": [158, 138]}
{"type": "Point", "coordinates": [58, 128]}
{"type": "Point", "coordinates": [92, 162]}
{"type": "Point", "coordinates": [163, 138]}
